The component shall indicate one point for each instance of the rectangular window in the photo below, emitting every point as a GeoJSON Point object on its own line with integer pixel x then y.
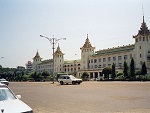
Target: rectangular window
{"type": "Point", "coordinates": [119, 58]}
{"type": "Point", "coordinates": [109, 58]}
{"type": "Point", "coordinates": [104, 59]}
{"type": "Point", "coordinates": [120, 64]}
{"type": "Point", "coordinates": [95, 60]}
{"type": "Point", "coordinates": [99, 66]}
{"type": "Point", "coordinates": [125, 57]}
{"type": "Point", "coordinates": [91, 60]}
{"type": "Point", "coordinates": [104, 65]}
{"type": "Point", "coordinates": [136, 39]}
{"type": "Point", "coordinates": [147, 38]}
{"type": "Point", "coordinates": [130, 56]}
{"type": "Point", "coordinates": [109, 65]}
{"type": "Point", "coordinates": [114, 58]}
{"type": "Point", "coordinates": [99, 59]}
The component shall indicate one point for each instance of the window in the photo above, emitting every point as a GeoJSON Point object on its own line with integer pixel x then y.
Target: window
{"type": "Point", "coordinates": [125, 57]}
{"type": "Point", "coordinates": [130, 56]}
{"type": "Point", "coordinates": [109, 58]}
{"type": "Point", "coordinates": [140, 56]}
{"type": "Point", "coordinates": [104, 65]}
{"type": "Point", "coordinates": [109, 65]}
{"type": "Point", "coordinates": [99, 59]}
{"type": "Point", "coordinates": [114, 58]}
{"type": "Point", "coordinates": [119, 58]}
{"type": "Point", "coordinates": [143, 38]}
{"type": "Point", "coordinates": [91, 60]}
{"type": "Point", "coordinates": [104, 59]}
{"type": "Point", "coordinates": [120, 64]}
{"type": "Point", "coordinates": [136, 39]}
{"type": "Point", "coordinates": [140, 38]}
{"type": "Point", "coordinates": [147, 38]}
{"type": "Point", "coordinates": [95, 60]}
{"type": "Point", "coordinates": [140, 47]}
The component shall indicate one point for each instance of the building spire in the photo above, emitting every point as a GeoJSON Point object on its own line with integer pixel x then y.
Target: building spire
{"type": "Point", "coordinates": [37, 55]}
{"type": "Point", "coordinates": [143, 19]}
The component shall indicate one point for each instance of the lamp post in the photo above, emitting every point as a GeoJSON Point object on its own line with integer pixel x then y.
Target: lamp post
{"type": "Point", "coordinates": [53, 41]}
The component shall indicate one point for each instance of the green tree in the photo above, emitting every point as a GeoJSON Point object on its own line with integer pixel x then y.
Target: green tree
{"type": "Point", "coordinates": [132, 68]}
{"type": "Point", "coordinates": [125, 71]}
{"type": "Point", "coordinates": [113, 71]}
{"type": "Point", "coordinates": [144, 69]}
{"type": "Point", "coordinates": [34, 76]}
{"type": "Point", "coordinates": [45, 74]}
{"type": "Point", "coordinates": [106, 71]}
{"type": "Point", "coordinates": [85, 76]}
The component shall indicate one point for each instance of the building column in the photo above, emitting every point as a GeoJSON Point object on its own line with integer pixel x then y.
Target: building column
{"type": "Point", "coordinates": [93, 74]}
{"type": "Point", "coordinates": [98, 75]}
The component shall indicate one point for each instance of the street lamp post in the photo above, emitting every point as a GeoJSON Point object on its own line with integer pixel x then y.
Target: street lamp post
{"type": "Point", "coordinates": [53, 41]}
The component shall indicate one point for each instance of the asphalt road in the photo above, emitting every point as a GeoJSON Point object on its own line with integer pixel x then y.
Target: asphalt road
{"type": "Point", "coordinates": [88, 97]}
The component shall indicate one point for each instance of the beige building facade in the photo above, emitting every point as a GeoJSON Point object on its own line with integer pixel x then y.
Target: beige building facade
{"type": "Point", "coordinates": [93, 61]}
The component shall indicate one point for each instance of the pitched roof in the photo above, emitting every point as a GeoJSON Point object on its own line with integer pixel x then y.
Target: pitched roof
{"type": "Point", "coordinates": [58, 51]}
{"type": "Point", "coordinates": [87, 43]}
{"type": "Point", "coordinates": [37, 56]}
{"type": "Point", "coordinates": [143, 29]}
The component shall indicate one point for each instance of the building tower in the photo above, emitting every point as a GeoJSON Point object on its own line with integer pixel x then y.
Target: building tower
{"type": "Point", "coordinates": [58, 60]}
{"type": "Point", "coordinates": [36, 60]}
{"type": "Point", "coordinates": [86, 51]}
{"type": "Point", "coordinates": [142, 46]}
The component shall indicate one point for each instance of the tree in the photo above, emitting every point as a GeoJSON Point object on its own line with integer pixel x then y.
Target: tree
{"type": "Point", "coordinates": [132, 68]}
{"type": "Point", "coordinates": [45, 74]}
{"type": "Point", "coordinates": [113, 71]}
{"type": "Point", "coordinates": [85, 76]}
{"type": "Point", "coordinates": [144, 69]}
{"type": "Point", "coordinates": [125, 71]}
{"type": "Point", "coordinates": [34, 76]}
{"type": "Point", "coordinates": [106, 71]}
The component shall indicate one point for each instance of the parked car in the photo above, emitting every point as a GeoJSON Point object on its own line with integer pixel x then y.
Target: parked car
{"type": "Point", "coordinates": [69, 79]}
{"type": "Point", "coordinates": [4, 81]}
{"type": "Point", "coordinates": [11, 103]}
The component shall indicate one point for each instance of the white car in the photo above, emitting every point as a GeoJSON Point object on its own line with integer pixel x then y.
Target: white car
{"type": "Point", "coordinates": [10, 103]}
{"type": "Point", "coordinates": [4, 81]}
{"type": "Point", "coordinates": [69, 79]}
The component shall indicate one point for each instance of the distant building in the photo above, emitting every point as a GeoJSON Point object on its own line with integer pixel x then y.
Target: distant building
{"type": "Point", "coordinates": [29, 66]}
{"type": "Point", "coordinates": [20, 69]}
{"type": "Point", "coordinates": [93, 62]}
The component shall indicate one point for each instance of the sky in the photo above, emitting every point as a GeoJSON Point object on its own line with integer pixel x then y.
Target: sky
{"type": "Point", "coordinates": [108, 23]}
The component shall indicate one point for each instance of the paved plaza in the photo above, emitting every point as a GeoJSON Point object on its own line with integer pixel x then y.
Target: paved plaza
{"type": "Point", "coordinates": [88, 97]}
